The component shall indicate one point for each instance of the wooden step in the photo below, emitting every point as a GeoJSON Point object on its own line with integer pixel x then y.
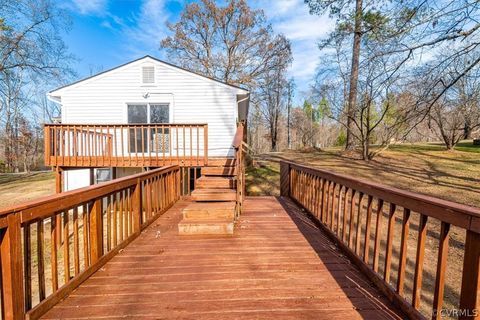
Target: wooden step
{"type": "Point", "coordinates": [220, 162]}
{"type": "Point", "coordinates": [192, 227]}
{"type": "Point", "coordinates": [218, 171]}
{"type": "Point", "coordinates": [209, 211]}
{"type": "Point", "coordinates": [213, 182]}
{"type": "Point", "coordinates": [214, 195]}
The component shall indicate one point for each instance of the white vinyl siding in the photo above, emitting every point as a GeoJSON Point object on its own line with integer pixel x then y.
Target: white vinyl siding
{"type": "Point", "coordinates": [193, 99]}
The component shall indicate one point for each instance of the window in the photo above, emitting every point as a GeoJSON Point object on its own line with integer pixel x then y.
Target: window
{"type": "Point", "coordinates": [148, 74]}
{"type": "Point", "coordinates": [148, 113]}
{"type": "Point", "coordinates": [159, 113]}
{"type": "Point", "coordinates": [103, 174]}
{"type": "Point", "coordinates": [149, 139]}
{"type": "Point", "coordinates": [137, 113]}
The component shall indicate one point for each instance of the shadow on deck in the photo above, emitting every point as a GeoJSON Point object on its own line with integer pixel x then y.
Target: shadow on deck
{"type": "Point", "coordinates": [278, 264]}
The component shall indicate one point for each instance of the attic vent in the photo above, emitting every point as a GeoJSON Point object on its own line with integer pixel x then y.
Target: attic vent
{"type": "Point", "coordinates": [148, 74]}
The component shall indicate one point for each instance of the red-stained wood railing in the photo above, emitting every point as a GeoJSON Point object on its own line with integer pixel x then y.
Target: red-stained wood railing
{"type": "Point", "coordinates": [126, 145]}
{"type": "Point", "coordinates": [343, 207]}
{"type": "Point", "coordinates": [239, 167]}
{"type": "Point", "coordinates": [38, 269]}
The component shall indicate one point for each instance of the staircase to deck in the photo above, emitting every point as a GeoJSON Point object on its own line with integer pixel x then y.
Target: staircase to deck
{"type": "Point", "coordinates": [213, 209]}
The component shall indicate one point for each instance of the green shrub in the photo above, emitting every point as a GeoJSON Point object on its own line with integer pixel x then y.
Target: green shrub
{"type": "Point", "coordinates": [341, 139]}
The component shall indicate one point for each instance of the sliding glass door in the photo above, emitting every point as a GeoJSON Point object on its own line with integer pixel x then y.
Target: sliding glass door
{"type": "Point", "coordinates": [144, 140]}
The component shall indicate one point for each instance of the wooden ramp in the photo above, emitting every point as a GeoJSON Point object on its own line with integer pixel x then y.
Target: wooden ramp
{"type": "Point", "coordinates": [277, 265]}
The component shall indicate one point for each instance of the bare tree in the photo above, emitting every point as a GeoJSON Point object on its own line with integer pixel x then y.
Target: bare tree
{"type": "Point", "coordinates": [32, 55]}
{"type": "Point", "coordinates": [29, 37]}
{"type": "Point", "coordinates": [272, 95]}
{"type": "Point", "coordinates": [301, 125]}
{"type": "Point", "coordinates": [457, 113]}
{"type": "Point", "coordinates": [234, 43]}
{"type": "Point", "coordinates": [290, 87]}
{"type": "Point", "coordinates": [353, 17]}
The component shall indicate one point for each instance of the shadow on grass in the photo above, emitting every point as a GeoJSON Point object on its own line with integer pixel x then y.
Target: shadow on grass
{"type": "Point", "coordinates": [263, 180]}
{"type": "Point", "coordinates": [25, 177]}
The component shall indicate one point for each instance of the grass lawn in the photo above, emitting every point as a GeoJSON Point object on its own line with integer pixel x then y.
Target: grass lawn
{"type": "Point", "coordinates": [423, 168]}
{"type": "Point", "coordinates": [16, 188]}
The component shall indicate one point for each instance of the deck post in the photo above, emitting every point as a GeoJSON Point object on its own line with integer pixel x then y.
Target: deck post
{"type": "Point", "coordinates": [47, 144]}
{"type": "Point", "coordinates": [58, 179]}
{"type": "Point", "coordinates": [59, 189]}
{"type": "Point", "coordinates": [284, 179]}
{"type": "Point", "coordinates": [469, 297]}
{"type": "Point", "coordinates": [96, 231]}
{"type": "Point", "coordinates": [205, 144]}
{"type": "Point", "coordinates": [12, 269]}
{"type": "Point", "coordinates": [137, 207]}
{"type": "Point", "coordinates": [92, 176]}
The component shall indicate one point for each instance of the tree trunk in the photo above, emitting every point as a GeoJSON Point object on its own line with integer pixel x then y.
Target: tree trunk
{"type": "Point", "coordinates": [352, 94]}
{"type": "Point", "coordinates": [467, 130]}
{"type": "Point", "coordinates": [366, 150]}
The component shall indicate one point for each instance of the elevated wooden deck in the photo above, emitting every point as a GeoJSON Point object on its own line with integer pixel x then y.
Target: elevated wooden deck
{"type": "Point", "coordinates": [112, 250]}
{"type": "Point", "coordinates": [126, 145]}
{"type": "Point", "coordinates": [277, 265]}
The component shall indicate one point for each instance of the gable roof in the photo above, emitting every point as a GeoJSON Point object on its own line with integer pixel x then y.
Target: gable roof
{"type": "Point", "coordinates": [155, 59]}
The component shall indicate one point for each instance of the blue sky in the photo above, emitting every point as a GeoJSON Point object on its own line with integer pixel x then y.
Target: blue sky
{"type": "Point", "coordinates": [106, 33]}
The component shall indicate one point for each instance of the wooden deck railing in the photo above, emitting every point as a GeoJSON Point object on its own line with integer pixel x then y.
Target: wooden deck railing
{"type": "Point", "coordinates": [239, 168]}
{"type": "Point", "coordinates": [361, 217]}
{"type": "Point", "coordinates": [38, 268]}
{"type": "Point", "coordinates": [126, 145]}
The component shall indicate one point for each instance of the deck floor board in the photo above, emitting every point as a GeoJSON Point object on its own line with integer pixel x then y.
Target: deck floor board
{"type": "Point", "coordinates": [277, 265]}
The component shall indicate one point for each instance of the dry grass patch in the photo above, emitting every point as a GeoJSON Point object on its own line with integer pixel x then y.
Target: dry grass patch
{"type": "Point", "coordinates": [422, 168]}
{"type": "Point", "coordinates": [16, 188]}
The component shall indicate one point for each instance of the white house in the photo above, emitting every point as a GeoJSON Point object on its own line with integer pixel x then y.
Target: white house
{"type": "Point", "coordinates": [143, 91]}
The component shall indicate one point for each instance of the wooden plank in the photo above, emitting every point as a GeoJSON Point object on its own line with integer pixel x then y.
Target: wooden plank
{"type": "Point", "coordinates": [96, 231]}
{"type": "Point", "coordinates": [85, 232]}
{"type": "Point", "coordinates": [325, 185]}
{"type": "Point", "coordinates": [441, 266]}
{"type": "Point", "coordinates": [12, 269]}
{"type": "Point", "coordinates": [368, 227]}
{"type": "Point", "coordinates": [345, 203]}
{"type": "Point", "coordinates": [403, 251]}
{"type": "Point", "coordinates": [417, 280]}
{"type": "Point", "coordinates": [352, 208]}
{"type": "Point", "coordinates": [76, 242]}
{"type": "Point", "coordinates": [27, 265]}
{"type": "Point", "coordinates": [40, 260]}
{"type": "Point", "coordinates": [53, 254]}
{"type": "Point", "coordinates": [47, 134]}
{"type": "Point", "coordinates": [388, 249]}
{"type": "Point", "coordinates": [378, 234]}
{"type": "Point", "coordinates": [469, 296]}
{"type": "Point", "coordinates": [66, 246]}
{"type": "Point", "coordinates": [358, 232]}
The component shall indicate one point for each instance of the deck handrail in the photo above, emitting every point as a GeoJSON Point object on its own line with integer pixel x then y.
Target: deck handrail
{"type": "Point", "coordinates": [336, 201]}
{"type": "Point", "coordinates": [237, 144]}
{"type": "Point", "coordinates": [131, 145]}
{"type": "Point", "coordinates": [96, 222]}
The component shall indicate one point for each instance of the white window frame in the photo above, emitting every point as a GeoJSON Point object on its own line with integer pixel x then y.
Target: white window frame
{"type": "Point", "coordinates": [155, 100]}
